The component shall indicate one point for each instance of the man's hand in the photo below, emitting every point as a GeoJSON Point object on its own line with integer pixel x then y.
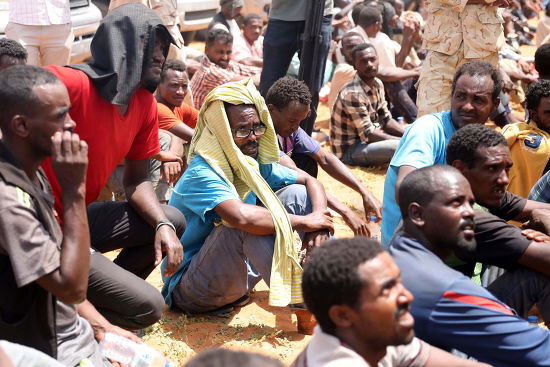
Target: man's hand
{"type": "Point", "coordinates": [312, 240]}
{"type": "Point", "coordinates": [171, 171]}
{"type": "Point", "coordinates": [357, 225]}
{"type": "Point", "coordinates": [502, 3]}
{"type": "Point", "coordinates": [166, 239]}
{"type": "Point", "coordinates": [535, 235]}
{"type": "Point", "coordinates": [167, 156]}
{"type": "Point", "coordinates": [317, 221]}
{"type": "Point", "coordinates": [540, 221]}
{"type": "Point", "coordinates": [371, 205]}
{"type": "Point", "coordinates": [99, 333]}
{"type": "Point", "coordinates": [69, 160]}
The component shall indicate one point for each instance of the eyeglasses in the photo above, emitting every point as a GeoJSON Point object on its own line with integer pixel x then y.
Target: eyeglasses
{"type": "Point", "coordinates": [243, 132]}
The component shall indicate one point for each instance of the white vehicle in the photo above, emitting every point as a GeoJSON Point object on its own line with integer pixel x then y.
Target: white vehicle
{"type": "Point", "coordinates": [85, 18]}
{"type": "Point", "coordinates": [195, 15]}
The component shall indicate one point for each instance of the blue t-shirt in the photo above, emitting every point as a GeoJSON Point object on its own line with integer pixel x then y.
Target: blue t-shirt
{"type": "Point", "coordinates": [450, 311]}
{"type": "Point", "coordinates": [298, 142]}
{"type": "Point", "coordinates": [197, 193]}
{"type": "Point", "coordinates": [422, 145]}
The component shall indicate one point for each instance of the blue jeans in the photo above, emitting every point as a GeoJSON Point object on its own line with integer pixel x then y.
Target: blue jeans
{"type": "Point", "coordinates": [370, 154]}
{"type": "Point", "coordinates": [231, 262]}
{"type": "Point", "coordinates": [281, 41]}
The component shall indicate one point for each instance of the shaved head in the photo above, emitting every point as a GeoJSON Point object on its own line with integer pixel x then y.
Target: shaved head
{"type": "Point", "coordinates": [421, 185]}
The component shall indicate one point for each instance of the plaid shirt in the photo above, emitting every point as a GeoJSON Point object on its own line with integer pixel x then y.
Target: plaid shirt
{"type": "Point", "coordinates": [210, 75]}
{"type": "Point", "coordinates": [358, 111]}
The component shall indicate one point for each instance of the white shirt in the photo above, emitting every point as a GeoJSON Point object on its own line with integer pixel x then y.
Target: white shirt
{"type": "Point", "coordinates": [39, 12]}
{"type": "Point", "coordinates": [325, 350]}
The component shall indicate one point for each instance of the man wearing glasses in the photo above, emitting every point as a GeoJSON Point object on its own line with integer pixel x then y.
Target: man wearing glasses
{"type": "Point", "coordinates": [231, 196]}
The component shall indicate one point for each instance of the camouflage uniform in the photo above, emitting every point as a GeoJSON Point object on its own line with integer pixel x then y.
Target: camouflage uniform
{"type": "Point", "coordinates": [454, 34]}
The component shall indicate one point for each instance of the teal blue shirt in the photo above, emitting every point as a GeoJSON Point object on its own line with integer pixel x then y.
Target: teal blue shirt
{"type": "Point", "coordinates": [423, 144]}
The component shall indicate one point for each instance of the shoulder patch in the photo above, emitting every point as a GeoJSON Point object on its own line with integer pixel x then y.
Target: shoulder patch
{"type": "Point", "coordinates": [533, 140]}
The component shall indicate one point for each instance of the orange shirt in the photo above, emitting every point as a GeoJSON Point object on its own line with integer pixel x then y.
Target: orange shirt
{"type": "Point", "coordinates": [168, 119]}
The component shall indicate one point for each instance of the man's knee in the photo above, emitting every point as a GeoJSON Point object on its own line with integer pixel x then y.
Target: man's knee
{"type": "Point", "coordinates": [150, 308]}
{"type": "Point", "coordinates": [295, 199]}
{"type": "Point", "coordinates": [176, 218]}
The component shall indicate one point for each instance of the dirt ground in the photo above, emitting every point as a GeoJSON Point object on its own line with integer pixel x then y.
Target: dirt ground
{"type": "Point", "coordinates": [257, 327]}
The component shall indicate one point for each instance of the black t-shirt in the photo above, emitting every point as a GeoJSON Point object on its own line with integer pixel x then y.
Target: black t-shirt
{"type": "Point", "coordinates": [499, 243]}
{"type": "Point", "coordinates": [510, 206]}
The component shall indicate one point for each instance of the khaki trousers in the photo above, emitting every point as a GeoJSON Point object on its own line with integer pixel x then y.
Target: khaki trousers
{"type": "Point", "coordinates": [45, 44]}
{"type": "Point", "coordinates": [436, 78]}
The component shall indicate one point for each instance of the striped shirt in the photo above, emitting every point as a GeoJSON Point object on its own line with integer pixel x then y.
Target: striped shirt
{"type": "Point", "coordinates": [210, 76]}
{"type": "Point", "coordinates": [39, 12]}
{"type": "Point", "coordinates": [358, 111]}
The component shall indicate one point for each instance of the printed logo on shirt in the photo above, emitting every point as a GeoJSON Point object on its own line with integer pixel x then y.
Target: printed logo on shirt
{"type": "Point", "coordinates": [533, 141]}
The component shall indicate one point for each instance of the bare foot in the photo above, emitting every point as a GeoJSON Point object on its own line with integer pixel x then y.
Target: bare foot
{"type": "Point", "coordinates": [306, 322]}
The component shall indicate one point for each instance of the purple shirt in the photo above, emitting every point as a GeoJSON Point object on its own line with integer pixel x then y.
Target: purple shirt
{"type": "Point", "coordinates": [298, 142]}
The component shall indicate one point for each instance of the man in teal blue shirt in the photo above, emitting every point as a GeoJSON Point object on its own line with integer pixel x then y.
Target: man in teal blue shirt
{"type": "Point", "coordinates": [229, 242]}
{"type": "Point", "coordinates": [476, 86]}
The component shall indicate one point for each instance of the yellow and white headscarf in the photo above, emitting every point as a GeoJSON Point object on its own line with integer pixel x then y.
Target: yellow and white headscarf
{"type": "Point", "coordinates": [213, 141]}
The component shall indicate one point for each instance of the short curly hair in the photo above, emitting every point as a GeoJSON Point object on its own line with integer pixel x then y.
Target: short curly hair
{"type": "Point", "coordinates": [477, 69]}
{"type": "Point", "coordinates": [286, 90]}
{"type": "Point", "coordinates": [535, 92]}
{"type": "Point", "coordinates": [331, 276]}
{"type": "Point", "coordinates": [172, 64]}
{"type": "Point", "coordinates": [9, 47]}
{"type": "Point", "coordinates": [465, 142]}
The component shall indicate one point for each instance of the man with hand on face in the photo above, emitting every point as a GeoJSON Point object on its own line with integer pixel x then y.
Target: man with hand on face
{"type": "Point", "coordinates": [483, 157]}
{"type": "Point", "coordinates": [288, 102]}
{"type": "Point", "coordinates": [475, 91]}
{"type": "Point", "coordinates": [217, 68]}
{"type": "Point", "coordinates": [449, 309]}
{"type": "Point", "coordinates": [233, 166]}
{"type": "Point", "coordinates": [354, 289]}
{"type": "Point", "coordinates": [248, 47]}
{"type": "Point", "coordinates": [116, 114]}
{"type": "Point", "coordinates": [362, 130]}
{"type": "Point", "coordinates": [44, 272]}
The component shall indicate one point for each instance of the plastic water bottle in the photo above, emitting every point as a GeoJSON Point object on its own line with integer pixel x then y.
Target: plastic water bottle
{"type": "Point", "coordinates": [123, 350]}
{"type": "Point", "coordinates": [374, 228]}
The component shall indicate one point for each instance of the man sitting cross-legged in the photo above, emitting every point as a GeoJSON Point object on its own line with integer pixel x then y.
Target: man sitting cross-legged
{"type": "Point", "coordinates": [230, 240]}
{"type": "Point", "coordinates": [362, 130]}
{"type": "Point", "coordinates": [288, 102]}
{"type": "Point", "coordinates": [450, 310]}
{"type": "Point", "coordinates": [354, 289]}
